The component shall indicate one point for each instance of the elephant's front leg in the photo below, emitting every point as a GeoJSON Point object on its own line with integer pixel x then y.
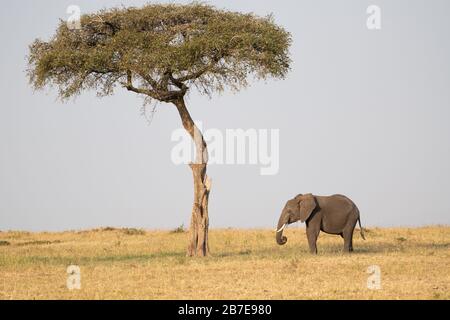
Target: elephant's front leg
{"type": "Point", "coordinates": [312, 233]}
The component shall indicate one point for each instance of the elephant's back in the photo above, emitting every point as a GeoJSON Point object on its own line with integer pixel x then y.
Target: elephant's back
{"type": "Point", "coordinates": [343, 197]}
{"type": "Point", "coordinates": [339, 201]}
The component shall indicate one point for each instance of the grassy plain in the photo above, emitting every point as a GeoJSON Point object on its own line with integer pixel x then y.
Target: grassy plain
{"type": "Point", "coordinates": [244, 264]}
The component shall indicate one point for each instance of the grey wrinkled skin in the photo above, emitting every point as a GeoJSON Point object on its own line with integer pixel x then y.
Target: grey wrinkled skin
{"type": "Point", "coordinates": [334, 214]}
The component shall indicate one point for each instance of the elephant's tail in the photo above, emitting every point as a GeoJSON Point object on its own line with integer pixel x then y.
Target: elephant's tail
{"type": "Point", "coordinates": [361, 229]}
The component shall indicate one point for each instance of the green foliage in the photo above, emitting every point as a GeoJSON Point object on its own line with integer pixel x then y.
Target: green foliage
{"type": "Point", "coordinates": [160, 51]}
{"type": "Point", "coordinates": [133, 231]}
{"type": "Point", "coordinates": [179, 229]}
{"type": "Point", "coordinates": [4, 243]}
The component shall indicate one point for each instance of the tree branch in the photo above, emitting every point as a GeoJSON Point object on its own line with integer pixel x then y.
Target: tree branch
{"type": "Point", "coordinates": [179, 84]}
{"type": "Point", "coordinates": [165, 96]}
{"type": "Point", "coordinates": [195, 74]}
{"type": "Point", "coordinates": [150, 81]}
{"type": "Point", "coordinates": [129, 86]}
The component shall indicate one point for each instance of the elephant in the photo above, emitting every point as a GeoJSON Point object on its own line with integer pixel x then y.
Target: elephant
{"type": "Point", "coordinates": [334, 214]}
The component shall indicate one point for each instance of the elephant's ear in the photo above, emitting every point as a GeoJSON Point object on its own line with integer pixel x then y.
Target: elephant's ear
{"type": "Point", "coordinates": [307, 205]}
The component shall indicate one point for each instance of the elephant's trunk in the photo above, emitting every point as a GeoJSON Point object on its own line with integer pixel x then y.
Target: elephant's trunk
{"type": "Point", "coordinates": [282, 222]}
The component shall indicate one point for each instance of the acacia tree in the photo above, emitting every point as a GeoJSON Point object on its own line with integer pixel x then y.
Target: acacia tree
{"type": "Point", "coordinates": [160, 52]}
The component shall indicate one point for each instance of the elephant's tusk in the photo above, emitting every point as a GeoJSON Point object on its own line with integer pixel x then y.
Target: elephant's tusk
{"type": "Point", "coordinates": [281, 229]}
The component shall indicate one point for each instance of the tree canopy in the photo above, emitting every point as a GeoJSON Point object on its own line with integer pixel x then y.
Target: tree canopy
{"type": "Point", "coordinates": [160, 50]}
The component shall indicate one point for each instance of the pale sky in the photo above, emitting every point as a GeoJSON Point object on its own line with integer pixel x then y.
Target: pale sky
{"type": "Point", "coordinates": [363, 113]}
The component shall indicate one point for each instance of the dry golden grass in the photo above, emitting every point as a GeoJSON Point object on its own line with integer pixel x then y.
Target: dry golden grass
{"type": "Point", "coordinates": [244, 264]}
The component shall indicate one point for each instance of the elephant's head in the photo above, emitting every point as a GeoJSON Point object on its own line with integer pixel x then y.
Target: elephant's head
{"type": "Point", "coordinates": [299, 208]}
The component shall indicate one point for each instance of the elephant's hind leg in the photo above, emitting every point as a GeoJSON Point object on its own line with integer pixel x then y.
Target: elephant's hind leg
{"type": "Point", "coordinates": [348, 246]}
{"type": "Point", "coordinates": [348, 237]}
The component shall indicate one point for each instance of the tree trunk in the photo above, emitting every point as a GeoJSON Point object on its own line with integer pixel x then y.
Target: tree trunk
{"type": "Point", "coordinates": [198, 231]}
